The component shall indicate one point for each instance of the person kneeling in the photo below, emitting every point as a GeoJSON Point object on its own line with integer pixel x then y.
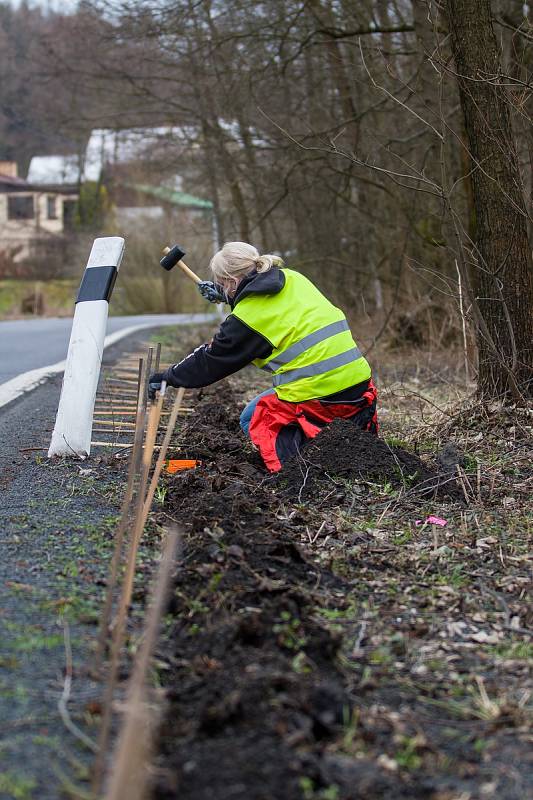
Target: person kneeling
{"type": "Point", "coordinates": [283, 324]}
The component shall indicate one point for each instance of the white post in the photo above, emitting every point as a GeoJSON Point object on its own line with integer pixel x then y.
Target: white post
{"type": "Point", "coordinates": [74, 421]}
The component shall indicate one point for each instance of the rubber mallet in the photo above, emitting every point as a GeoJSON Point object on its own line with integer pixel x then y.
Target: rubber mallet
{"type": "Point", "coordinates": [172, 257]}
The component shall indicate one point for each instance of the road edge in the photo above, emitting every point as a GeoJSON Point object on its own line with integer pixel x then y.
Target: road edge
{"type": "Point", "coordinates": [30, 380]}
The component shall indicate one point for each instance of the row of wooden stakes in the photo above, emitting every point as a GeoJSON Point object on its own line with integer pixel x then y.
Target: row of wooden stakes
{"type": "Point", "coordinates": [116, 406]}
{"type": "Point", "coordinates": [126, 773]}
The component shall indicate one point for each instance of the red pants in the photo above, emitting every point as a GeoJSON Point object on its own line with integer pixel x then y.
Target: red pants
{"type": "Point", "coordinates": [279, 429]}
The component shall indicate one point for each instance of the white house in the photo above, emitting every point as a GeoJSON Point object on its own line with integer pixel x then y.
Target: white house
{"type": "Point", "coordinates": [111, 149]}
{"type": "Point", "coordinates": [31, 215]}
{"type": "Point", "coordinates": [137, 167]}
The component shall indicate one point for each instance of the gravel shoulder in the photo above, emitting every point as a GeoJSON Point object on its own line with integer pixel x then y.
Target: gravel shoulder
{"type": "Point", "coordinates": [57, 520]}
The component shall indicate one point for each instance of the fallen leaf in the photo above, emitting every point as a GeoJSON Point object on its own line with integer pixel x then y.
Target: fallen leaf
{"type": "Point", "coordinates": [486, 542]}
{"type": "Point", "coordinates": [387, 763]}
{"type": "Point", "coordinates": [485, 638]}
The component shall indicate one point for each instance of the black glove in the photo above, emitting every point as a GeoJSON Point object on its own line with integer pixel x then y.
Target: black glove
{"type": "Point", "coordinates": [211, 292]}
{"type": "Point", "coordinates": [154, 384]}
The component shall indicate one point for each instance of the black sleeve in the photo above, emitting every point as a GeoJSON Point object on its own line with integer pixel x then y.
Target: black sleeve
{"type": "Point", "coordinates": [233, 347]}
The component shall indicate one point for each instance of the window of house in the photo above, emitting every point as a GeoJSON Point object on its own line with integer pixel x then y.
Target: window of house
{"type": "Point", "coordinates": [20, 207]}
{"type": "Point", "coordinates": [51, 207]}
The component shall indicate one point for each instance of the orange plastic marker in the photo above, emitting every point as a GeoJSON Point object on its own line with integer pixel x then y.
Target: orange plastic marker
{"type": "Point", "coordinates": [176, 464]}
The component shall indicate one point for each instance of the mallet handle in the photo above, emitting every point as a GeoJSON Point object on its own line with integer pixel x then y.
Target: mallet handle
{"type": "Point", "coordinates": [189, 273]}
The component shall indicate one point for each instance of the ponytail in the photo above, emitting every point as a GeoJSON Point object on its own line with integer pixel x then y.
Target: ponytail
{"type": "Point", "coordinates": [266, 262]}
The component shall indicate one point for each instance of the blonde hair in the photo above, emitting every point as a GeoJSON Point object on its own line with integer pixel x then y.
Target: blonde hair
{"type": "Point", "coordinates": [238, 259]}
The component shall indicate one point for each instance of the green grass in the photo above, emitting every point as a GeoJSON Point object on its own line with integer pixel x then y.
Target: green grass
{"type": "Point", "coordinates": [58, 295]}
{"type": "Point", "coordinates": [514, 651]}
{"type": "Point", "coordinates": [18, 787]}
{"type": "Point", "coordinates": [407, 756]}
{"type": "Point", "coordinates": [381, 656]}
{"type": "Point", "coordinates": [33, 642]}
{"type": "Point", "coordinates": [289, 632]}
{"type": "Point", "coordinates": [311, 792]}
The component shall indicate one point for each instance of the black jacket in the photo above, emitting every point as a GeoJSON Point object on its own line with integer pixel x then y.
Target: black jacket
{"type": "Point", "coordinates": [235, 345]}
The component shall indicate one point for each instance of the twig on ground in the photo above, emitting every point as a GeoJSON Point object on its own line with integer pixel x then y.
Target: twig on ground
{"type": "Point", "coordinates": [463, 485]}
{"type": "Point", "coordinates": [356, 651]}
{"type": "Point", "coordinates": [65, 696]}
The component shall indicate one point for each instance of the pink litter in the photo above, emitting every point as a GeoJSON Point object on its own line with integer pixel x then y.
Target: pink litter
{"type": "Point", "coordinates": [432, 520]}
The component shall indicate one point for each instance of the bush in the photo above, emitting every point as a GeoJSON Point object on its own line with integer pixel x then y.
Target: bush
{"type": "Point", "coordinates": [144, 287]}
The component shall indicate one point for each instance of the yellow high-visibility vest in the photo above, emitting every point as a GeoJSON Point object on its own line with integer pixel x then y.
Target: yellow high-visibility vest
{"type": "Point", "coordinates": [314, 354]}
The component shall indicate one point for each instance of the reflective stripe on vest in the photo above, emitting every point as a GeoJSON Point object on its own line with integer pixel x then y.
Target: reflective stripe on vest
{"type": "Point", "coordinates": [304, 344]}
{"type": "Point", "coordinates": [313, 352]}
{"type": "Point", "coordinates": [311, 370]}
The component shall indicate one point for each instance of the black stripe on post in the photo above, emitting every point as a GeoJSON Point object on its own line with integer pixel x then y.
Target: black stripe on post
{"type": "Point", "coordinates": [97, 284]}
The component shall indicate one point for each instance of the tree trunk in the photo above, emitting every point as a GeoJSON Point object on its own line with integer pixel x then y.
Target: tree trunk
{"type": "Point", "coordinates": [211, 172]}
{"type": "Point", "coordinates": [254, 177]}
{"type": "Point", "coordinates": [504, 271]}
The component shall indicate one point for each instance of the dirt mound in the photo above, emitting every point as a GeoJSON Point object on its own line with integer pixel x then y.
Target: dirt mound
{"type": "Point", "coordinates": [344, 451]}
{"type": "Point", "coordinates": [256, 695]}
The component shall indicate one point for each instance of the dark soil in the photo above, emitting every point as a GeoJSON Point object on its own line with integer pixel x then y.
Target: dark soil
{"type": "Point", "coordinates": [254, 671]}
{"type": "Point", "coordinates": [344, 451]}
{"type": "Point", "coordinates": [310, 657]}
{"type": "Point", "coordinates": [244, 693]}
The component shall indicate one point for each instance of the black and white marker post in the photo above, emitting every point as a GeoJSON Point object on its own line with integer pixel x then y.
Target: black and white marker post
{"type": "Point", "coordinates": [74, 421]}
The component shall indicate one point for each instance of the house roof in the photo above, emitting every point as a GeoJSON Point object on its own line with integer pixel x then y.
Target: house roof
{"type": "Point", "coordinates": [171, 196]}
{"type": "Point", "coordinates": [105, 147]}
{"type": "Point", "coordinates": [18, 183]}
{"type": "Point", "coordinates": [10, 184]}
{"type": "Point", "coordinates": [108, 146]}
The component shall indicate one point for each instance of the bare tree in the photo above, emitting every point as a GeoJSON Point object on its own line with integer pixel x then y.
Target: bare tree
{"type": "Point", "coordinates": [334, 133]}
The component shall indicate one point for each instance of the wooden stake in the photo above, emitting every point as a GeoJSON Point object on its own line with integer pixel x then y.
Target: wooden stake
{"type": "Point", "coordinates": [120, 393]}
{"type": "Point", "coordinates": [162, 454]}
{"type": "Point", "coordinates": [130, 764]}
{"type": "Point", "coordinates": [116, 415]}
{"type": "Point", "coordinates": [127, 382]}
{"type": "Point", "coordinates": [126, 404]}
{"type": "Point", "coordinates": [116, 445]}
{"type": "Point", "coordinates": [116, 423]}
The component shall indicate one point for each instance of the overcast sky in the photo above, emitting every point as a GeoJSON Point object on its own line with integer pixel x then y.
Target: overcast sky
{"type": "Point", "coordinates": [55, 5]}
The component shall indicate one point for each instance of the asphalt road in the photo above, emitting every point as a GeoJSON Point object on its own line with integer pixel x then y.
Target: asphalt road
{"type": "Point", "coordinates": [28, 344]}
